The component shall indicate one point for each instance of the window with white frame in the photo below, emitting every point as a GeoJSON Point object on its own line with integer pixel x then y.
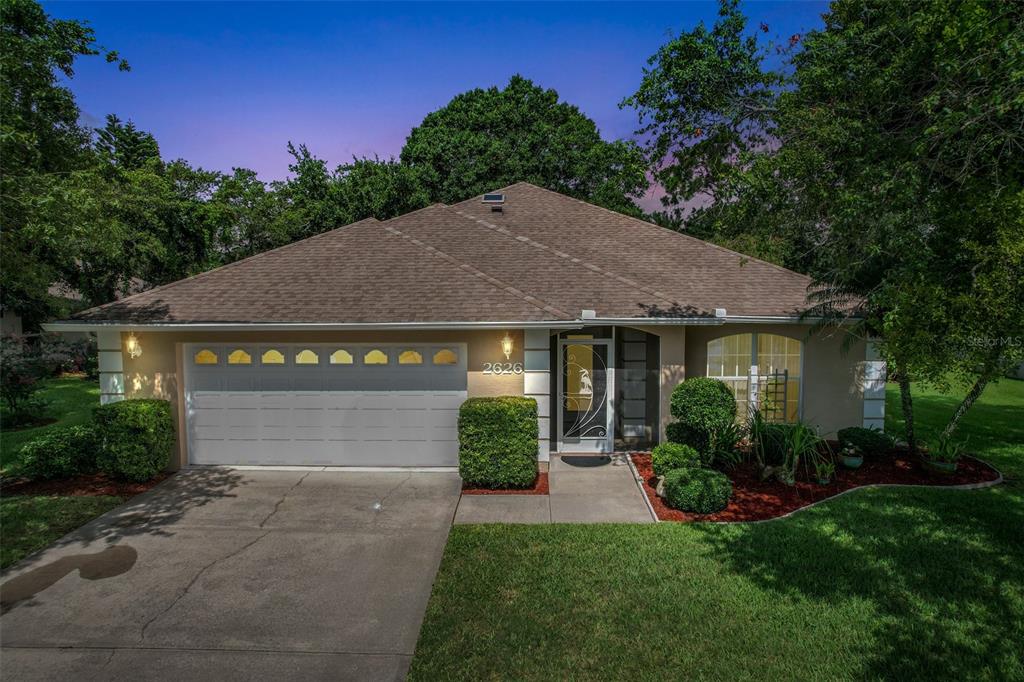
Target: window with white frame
{"type": "Point", "coordinates": [730, 359]}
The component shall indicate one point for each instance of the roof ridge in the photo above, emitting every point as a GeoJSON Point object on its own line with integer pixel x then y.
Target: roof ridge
{"type": "Point", "coordinates": [564, 255]}
{"type": "Point", "coordinates": [490, 279]}
{"type": "Point", "coordinates": [226, 266]}
{"type": "Point", "coordinates": [646, 223]}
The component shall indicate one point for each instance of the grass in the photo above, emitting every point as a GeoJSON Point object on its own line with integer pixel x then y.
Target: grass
{"type": "Point", "coordinates": [29, 523]}
{"type": "Point", "coordinates": [889, 583]}
{"type": "Point", "coordinates": [70, 399]}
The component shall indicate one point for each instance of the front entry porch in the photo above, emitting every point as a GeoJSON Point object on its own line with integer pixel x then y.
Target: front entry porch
{"type": "Point", "coordinates": [605, 390]}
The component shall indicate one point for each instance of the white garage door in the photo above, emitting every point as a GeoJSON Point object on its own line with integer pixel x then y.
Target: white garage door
{"type": "Point", "coordinates": [324, 404]}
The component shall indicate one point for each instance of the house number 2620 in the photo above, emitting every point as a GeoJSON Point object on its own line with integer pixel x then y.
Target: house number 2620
{"type": "Point", "coordinates": [503, 368]}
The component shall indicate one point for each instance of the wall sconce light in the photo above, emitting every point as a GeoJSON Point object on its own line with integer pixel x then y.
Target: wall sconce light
{"type": "Point", "coordinates": [132, 346]}
{"type": "Point", "coordinates": [506, 346]}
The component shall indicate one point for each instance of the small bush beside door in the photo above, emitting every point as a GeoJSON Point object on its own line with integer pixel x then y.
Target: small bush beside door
{"type": "Point", "coordinates": [498, 442]}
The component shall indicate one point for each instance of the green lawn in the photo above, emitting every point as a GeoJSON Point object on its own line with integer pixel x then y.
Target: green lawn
{"type": "Point", "coordinates": [28, 523]}
{"type": "Point", "coordinates": [70, 399]}
{"type": "Point", "coordinates": [895, 584]}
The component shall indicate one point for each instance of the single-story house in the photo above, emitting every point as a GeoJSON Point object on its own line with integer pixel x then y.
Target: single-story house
{"type": "Point", "coordinates": [356, 347]}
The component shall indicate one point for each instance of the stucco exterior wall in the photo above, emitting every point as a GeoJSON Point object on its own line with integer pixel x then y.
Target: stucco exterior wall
{"type": "Point", "coordinates": [833, 396]}
{"type": "Point", "coordinates": [157, 373]}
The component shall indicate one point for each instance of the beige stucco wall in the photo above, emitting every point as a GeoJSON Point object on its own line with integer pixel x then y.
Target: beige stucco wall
{"type": "Point", "coordinates": [832, 394]}
{"type": "Point", "coordinates": [157, 373]}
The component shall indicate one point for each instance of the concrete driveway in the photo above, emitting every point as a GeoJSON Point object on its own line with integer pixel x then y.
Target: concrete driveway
{"type": "Point", "coordinates": [226, 574]}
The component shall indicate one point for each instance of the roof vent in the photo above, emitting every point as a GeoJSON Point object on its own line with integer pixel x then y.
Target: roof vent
{"type": "Point", "coordinates": [495, 201]}
{"type": "Point", "coordinates": [588, 314]}
{"type": "Point", "coordinates": [719, 312]}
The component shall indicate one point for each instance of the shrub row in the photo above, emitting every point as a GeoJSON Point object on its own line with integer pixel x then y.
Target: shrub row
{"type": "Point", "coordinates": [131, 440]}
{"type": "Point", "coordinates": [498, 442]}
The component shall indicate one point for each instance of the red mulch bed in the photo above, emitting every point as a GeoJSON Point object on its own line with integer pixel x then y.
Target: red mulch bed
{"type": "Point", "coordinates": [540, 487]}
{"type": "Point", "coordinates": [94, 484]}
{"type": "Point", "coordinates": [755, 500]}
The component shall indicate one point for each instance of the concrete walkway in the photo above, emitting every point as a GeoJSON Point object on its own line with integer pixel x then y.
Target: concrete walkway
{"type": "Point", "coordinates": [583, 490]}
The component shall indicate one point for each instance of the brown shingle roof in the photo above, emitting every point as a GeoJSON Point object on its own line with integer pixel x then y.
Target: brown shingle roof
{"type": "Point", "coordinates": [545, 257]}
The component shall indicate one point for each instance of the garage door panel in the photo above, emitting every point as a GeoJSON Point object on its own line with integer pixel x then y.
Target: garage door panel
{"type": "Point", "coordinates": [335, 415]}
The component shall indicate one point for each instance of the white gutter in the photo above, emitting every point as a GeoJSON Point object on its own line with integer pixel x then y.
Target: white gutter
{"type": "Point", "coordinates": [85, 325]}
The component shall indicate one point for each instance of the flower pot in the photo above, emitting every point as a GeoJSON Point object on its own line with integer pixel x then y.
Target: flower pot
{"type": "Point", "coordinates": [852, 461]}
{"type": "Point", "coordinates": [944, 468]}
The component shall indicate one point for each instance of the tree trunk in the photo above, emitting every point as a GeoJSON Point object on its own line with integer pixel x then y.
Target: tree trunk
{"type": "Point", "coordinates": [907, 402]}
{"type": "Point", "coordinates": [965, 405]}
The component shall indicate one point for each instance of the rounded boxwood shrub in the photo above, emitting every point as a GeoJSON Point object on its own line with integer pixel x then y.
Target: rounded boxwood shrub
{"type": "Point", "coordinates": [702, 491]}
{"type": "Point", "coordinates": [61, 452]}
{"type": "Point", "coordinates": [136, 438]}
{"type": "Point", "coordinates": [869, 441]}
{"type": "Point", "coordinates": [703, 404]}
{"type": "Point", "coordinates": [498, 442]}
{"type": "Point", "coordinates": [668, 456]}
{"type": "Point", "coordinates": [678, 432]}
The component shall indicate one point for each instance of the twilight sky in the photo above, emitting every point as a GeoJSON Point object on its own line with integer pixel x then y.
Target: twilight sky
{"type": "Point", "coordinates": [229, 84]}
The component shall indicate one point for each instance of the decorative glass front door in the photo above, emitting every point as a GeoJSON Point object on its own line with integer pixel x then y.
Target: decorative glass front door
{"type": "Point", "coordinates": [585, 392]}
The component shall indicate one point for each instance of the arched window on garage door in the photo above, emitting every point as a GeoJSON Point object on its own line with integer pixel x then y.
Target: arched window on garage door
{"type": "Point", "coordinates": [731, 357]}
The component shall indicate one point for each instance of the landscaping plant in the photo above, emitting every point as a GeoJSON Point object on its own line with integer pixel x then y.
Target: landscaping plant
{"type": "Point", "coordinates": [666, 457]}
{"type": "Point", "coordinates": [702, 491]}
{"type": "Point", "coordinates": [703, 404]}
{"type": "Point", "coordinates": [871, 442]}
{"type": "Point", "coordinates": [21, 369]}
{"type": "Point", "coordinates": [61, 452]}
{"type": "Point", "coordinates": [136, 438]}
{"type": "Point", "coordinates": [684, 434]}
{"type": "Point", "coordinates": [498, 442]}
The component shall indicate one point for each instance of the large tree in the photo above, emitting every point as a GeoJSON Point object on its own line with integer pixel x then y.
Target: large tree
{"type": "Point", "coordinates": [884, 159]}
{"type": "Point", "coordinates": [485, 139]}
{"type": "Point", "coordinates": [41, 146]}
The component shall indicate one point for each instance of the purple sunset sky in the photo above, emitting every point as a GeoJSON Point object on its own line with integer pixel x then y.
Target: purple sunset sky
{"type": "Point", "coordinates": [229, 84]}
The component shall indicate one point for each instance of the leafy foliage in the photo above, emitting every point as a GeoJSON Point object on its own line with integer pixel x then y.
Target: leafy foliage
{"type": "Point", "coordinates": [702, 491]}
{"type": "Point", "coordinates": [486, 139]}
{"type": "Point", "coordinates": [684, 434]}
{"type": "Point", "coordinates": [61, 452]}
{"type": "Point", "coordinates": [22, 367]}
{"type": "Point", "coordinates": [871, 442]}
{"type": "Point", "coordinates": [668, 456]}
{"type": "Point", "coordinates": [703, 404]}
{"type": "Point", "coordinates": [136, 438]}
{"type": "Point", "coordinates": [498, 442]}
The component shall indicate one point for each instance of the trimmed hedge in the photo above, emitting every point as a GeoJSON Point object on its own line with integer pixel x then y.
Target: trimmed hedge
{"type": "Point", "coordinates": [703, 404]}
{"type": "Point", "coordinates": [869, 441]}
{"type": "Point", "coordinates": [678, 432]}
{"type": "Point", "coordinates": [702, 491]}
{"type": "Point", "coordinates": [668, 456]}
{"type": "Point", "coordinates": [498, 442]}
{"type": "Point", "coordinates": [136, 438]}
{"type": "Point", "coordinates": [61, 452]}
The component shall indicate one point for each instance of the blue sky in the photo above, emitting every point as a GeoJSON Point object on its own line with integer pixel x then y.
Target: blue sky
{"type": "Point", "coordinates": [229, 84]}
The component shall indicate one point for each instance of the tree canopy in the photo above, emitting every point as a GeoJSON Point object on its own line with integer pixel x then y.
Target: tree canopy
{"type": "Point", "coordinates": [883, 158]}
{"type": "Point", "coordinates": [485, 139]}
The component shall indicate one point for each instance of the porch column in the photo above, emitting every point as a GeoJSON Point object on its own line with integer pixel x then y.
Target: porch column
{"type": "Point", "coordinates": [873, 387]}
{"type": "Point", "coordinates": [111, 364]}
{"type": "Point", "coordinates": [537, 384]}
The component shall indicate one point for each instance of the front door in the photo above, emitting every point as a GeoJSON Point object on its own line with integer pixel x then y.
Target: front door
{"type": "Point", "coordinates": [585, 395]}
